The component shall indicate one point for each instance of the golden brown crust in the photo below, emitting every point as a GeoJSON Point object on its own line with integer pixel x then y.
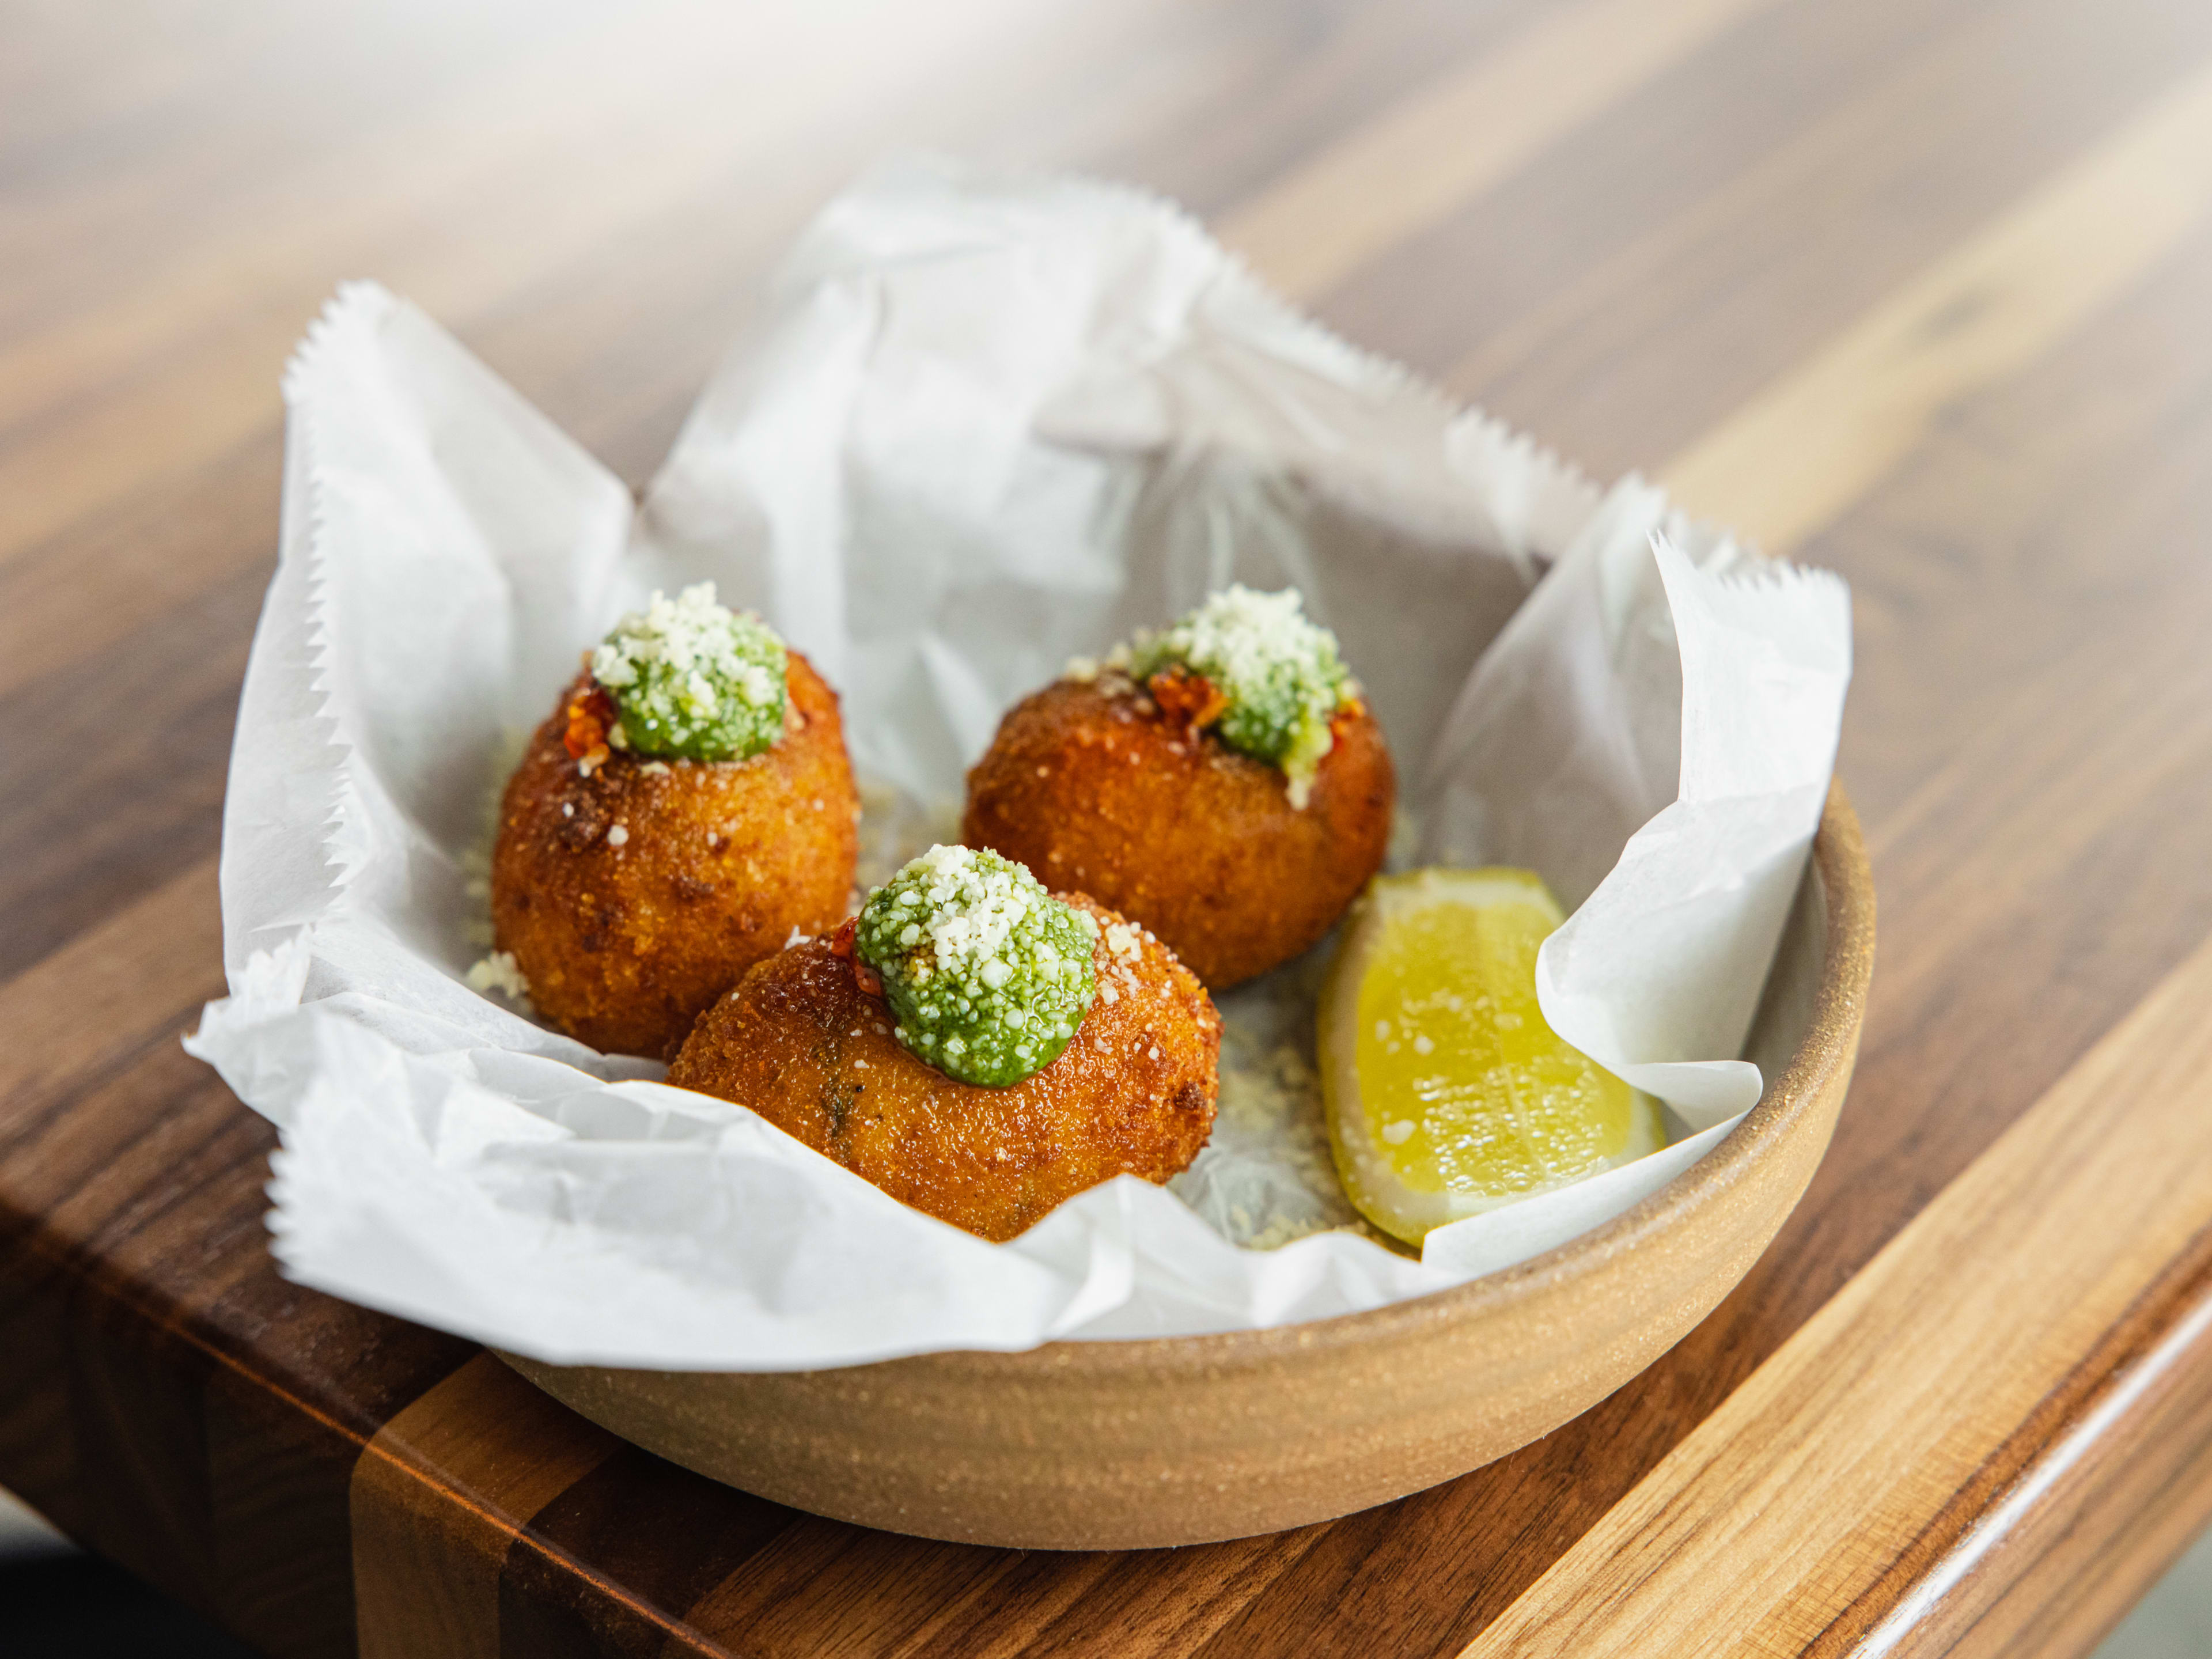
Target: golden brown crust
{"type": "Point", "coordinates": [1133, 1093]}
{"type": "Point", "coordinates": [1092, 789]}
{"type": "Point", "coordinates": [623, 946]}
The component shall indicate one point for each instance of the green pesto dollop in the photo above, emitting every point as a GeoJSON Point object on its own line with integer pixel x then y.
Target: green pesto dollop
{"type": "Point", "coordinates": [1279, 672]}
{"type": "Point", "coordinates": [694, 680]}
{"type": "Point", "coordinates": [989, 974]}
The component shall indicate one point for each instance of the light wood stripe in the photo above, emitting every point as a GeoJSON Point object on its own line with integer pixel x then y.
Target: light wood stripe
{"type": "Point", "coordinates": [425, 1561]}
{"type": "Point", "coordinates": [1803, 450]}
{"type": "Point", "coordinates": [1423, 158]}
{"type": "Point", "coordinates": [2036, 1574]}
{"type": "Point", "coordinates": [1789, 1502]}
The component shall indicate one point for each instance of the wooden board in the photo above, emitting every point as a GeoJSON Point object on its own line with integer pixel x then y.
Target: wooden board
{"type": "Point", "coordinates": [1912, 288]}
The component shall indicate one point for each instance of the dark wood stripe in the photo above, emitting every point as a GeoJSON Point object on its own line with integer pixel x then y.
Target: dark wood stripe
{"type": "Point", "coordinates": [822, 1587]}
{"type": "Point", "coordinates": [163, 1395]}
{"type": "Point", "coordinates": [278, 1522]}
{"type": "Point", "coordinates": [438, 1498]}
{"type": "Point", "coordinates": [110, 781]}
{"type": "Point", "coordinates": [162, 1440]}
{"type": "Point", "coordinates": [611, 1565]}
{"type": "Point", "coordinates": [142, 561]}
{"type": "Point", "coordinates": [136, 1424]}
{"type": "Point", "coordinates": [1016, 1609]}
{"type": "Point", "coordinates": [38, 1438]}
{"type": "Point", "coordinates": [1179, 1601]}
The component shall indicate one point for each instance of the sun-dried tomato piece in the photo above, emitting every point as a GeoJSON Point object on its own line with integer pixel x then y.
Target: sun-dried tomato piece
{"type": "Point", "coordinates": [591, 716]}
{"type": "Point", "coordinates": [1187, 699]}
{"type": "Point", "coordinates": [841, 944]}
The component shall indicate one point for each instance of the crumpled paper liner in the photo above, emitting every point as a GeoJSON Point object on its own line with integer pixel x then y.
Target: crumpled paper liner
{"type": "Point", "coordinates": [987, 425]}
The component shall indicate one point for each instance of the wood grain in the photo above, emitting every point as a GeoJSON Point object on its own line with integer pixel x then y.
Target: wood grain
{"type": "Point", "coordinates": [2090, 1513]}
{"type": "Point", "coordinates": [1429, 152]}
{"type": "Point", "coordinates": [1914, 285]}
{"type": "Point", "coordinates": [1786, 1505]}
{"type": "Point", "coordinates": [427, 1569]}
{"type": "Point", "coordinates": [1809, 445]}
{"type": "Point", "coordinates": [1861, 166]}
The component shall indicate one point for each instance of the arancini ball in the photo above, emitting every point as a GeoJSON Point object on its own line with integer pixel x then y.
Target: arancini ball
{"type": "Point", "coordinates": [802, 1042]}
{"type": "Point", "coordinates": [1122, 782]}
{"type": "Point", "coordinates": [632, 888]}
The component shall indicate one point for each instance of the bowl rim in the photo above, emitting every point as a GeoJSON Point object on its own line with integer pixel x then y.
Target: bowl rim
{"type": "Point", "coordinates": [1830, 1045]}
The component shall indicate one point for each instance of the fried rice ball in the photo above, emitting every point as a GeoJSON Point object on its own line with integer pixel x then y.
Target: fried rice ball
{"type": "Point", "coordinates": [1093, 785]}
{"type": "Point", "coordinates": [1133, 1093]}
{"type": "Point", "coordinates": [634, 892]}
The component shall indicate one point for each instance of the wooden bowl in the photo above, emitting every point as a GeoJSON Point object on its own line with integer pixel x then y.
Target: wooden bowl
{"type": "Point", "coordinates": [1182, 1440]}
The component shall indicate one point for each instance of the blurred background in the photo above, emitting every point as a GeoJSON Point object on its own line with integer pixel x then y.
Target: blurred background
{"type": "Point", "coordinates": [1611, 222]}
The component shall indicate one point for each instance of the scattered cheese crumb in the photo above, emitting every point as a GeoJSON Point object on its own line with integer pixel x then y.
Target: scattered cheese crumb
{"type": "Point", "coordinates": [617, 837]}
{"type": "Point", "coordinates": [499, 972]}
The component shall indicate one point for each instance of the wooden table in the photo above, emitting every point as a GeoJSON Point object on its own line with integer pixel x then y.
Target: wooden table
{"type": "Point", "coordinates": [1916, 288]}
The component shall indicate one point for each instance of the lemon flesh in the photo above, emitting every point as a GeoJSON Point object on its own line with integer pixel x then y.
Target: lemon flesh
{"type": "Point", "coordinates": [1447, 1095]}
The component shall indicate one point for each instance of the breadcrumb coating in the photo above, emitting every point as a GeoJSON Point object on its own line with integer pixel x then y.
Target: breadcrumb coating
{"type": "Point", "coordinates": [1095, 788]}
{"type": "Point", "coordinates": [1133, 1093]}
{"type": "Point", "coordinates": [631, 892]}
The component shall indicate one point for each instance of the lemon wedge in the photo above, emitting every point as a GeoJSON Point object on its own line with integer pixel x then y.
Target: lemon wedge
{"type": "Point", "coordinates": [1447, 1095]}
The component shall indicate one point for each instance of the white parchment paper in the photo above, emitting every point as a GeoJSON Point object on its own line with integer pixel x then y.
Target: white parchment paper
{"type": "Point", "coordinates": [986, 424]}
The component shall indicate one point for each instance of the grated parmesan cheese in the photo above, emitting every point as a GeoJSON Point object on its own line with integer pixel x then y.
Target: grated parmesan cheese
{"type": "Point", "coordinates": [990, 975]}
{"type": "Point", "coordinates": [694, 679]}
{"type": "Point", "coordinates": [1280, 674]}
